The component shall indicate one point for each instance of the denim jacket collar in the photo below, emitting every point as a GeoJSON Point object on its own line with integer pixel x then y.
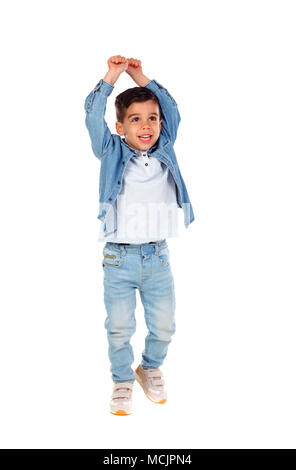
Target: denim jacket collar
{"type": "Point", "coordinates": [149, 151]}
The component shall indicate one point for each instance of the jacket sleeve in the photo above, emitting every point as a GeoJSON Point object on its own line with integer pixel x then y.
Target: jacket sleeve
{"type": "Point", "coordinates": [170, 113]}
{"type": "Point", "coordinates": [95, 108]}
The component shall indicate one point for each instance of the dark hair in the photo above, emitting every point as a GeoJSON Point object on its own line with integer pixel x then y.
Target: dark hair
{"type": "Point", "coordinates": [132, 95]}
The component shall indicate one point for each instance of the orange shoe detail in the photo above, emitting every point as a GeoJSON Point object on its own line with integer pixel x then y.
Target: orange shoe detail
{"type": "Point", "coordinates": [120, 413]}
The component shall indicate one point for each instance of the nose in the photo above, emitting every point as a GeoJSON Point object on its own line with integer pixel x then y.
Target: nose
{"type": "Point", "coordinates": [145, 126]}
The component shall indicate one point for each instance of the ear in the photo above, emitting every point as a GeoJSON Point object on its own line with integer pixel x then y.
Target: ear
{"type": "Point", "coordinates": [119, 128]}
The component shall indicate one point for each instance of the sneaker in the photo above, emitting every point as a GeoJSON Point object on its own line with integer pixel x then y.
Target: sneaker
{"type": "Point", "coordinates": [121, 400]}
{"type": "Point", "coordinates": [152, 382]}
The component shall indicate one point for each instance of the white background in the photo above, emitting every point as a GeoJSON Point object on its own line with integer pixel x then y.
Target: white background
{"type": "Point", "coordinates": [230, 369]}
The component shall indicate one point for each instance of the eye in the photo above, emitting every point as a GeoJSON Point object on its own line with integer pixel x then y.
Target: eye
{"type": "Point", "coordinates": [151, 117]}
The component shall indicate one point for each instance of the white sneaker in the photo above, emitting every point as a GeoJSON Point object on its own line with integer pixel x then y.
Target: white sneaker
{"type": "Point", "coordinates": [121, 400]}
{"type": "Point", "coordinates": [152, 382]}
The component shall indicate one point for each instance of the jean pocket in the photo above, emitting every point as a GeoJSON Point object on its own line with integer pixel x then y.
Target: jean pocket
{"type": "Point", "coordinates": [164, 256]}
{"type": "Point", "coordinates": [112, 257]}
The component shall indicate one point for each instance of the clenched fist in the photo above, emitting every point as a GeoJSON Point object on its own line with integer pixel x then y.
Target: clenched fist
{"type": "Point", "coordinates": [134, 67]}
{"type": "Point", "coordinates": [118, 63]}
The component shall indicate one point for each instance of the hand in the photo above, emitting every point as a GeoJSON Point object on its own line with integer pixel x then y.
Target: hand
{"type": "Point", "coordinates": [117, 63]}
{"type": "Point", "coordinates": [134, 68]}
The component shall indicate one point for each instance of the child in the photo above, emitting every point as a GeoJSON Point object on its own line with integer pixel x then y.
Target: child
{"type": "Point", "coordinates": [139, 171]}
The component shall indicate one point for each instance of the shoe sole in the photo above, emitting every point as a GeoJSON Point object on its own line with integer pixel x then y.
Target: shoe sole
{"type": "Point", "coordinates": [161, 402]}
{"type": "Point", "coordinates": [120, 413]}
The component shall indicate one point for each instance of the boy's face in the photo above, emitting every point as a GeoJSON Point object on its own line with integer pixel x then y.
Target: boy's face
{"type": "Point", "coordinates": [141, 119]}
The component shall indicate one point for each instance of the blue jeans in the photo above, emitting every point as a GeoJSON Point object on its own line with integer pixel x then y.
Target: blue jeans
{"type": "Point", "coordinates": [145, 267]}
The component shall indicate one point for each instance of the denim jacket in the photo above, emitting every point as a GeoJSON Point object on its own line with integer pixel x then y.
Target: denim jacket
{"type": "Point", "coordinates": [114, 152]}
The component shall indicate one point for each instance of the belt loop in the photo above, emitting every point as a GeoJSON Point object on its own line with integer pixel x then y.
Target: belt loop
{"type": "Point", "coordinates": [156, 248]}
{"type": "Point", "coordinates": [122, 250]}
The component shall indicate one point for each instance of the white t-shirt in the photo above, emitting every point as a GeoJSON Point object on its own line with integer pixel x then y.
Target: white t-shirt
{"type": "Point", "coordinates": [146, 205]}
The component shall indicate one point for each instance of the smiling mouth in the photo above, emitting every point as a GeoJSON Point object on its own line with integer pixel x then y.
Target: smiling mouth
{"type": "Point", "coordinates": [145, 138]}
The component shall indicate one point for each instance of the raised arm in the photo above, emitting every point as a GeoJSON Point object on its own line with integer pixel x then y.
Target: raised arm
{"type": "Point", "coordinates": [95, 107]}
{"type": "Point", "coordinates": [170, 113]}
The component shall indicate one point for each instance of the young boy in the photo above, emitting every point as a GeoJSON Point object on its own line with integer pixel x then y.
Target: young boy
{"type": "Point", "coordinates": [140, 179]}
